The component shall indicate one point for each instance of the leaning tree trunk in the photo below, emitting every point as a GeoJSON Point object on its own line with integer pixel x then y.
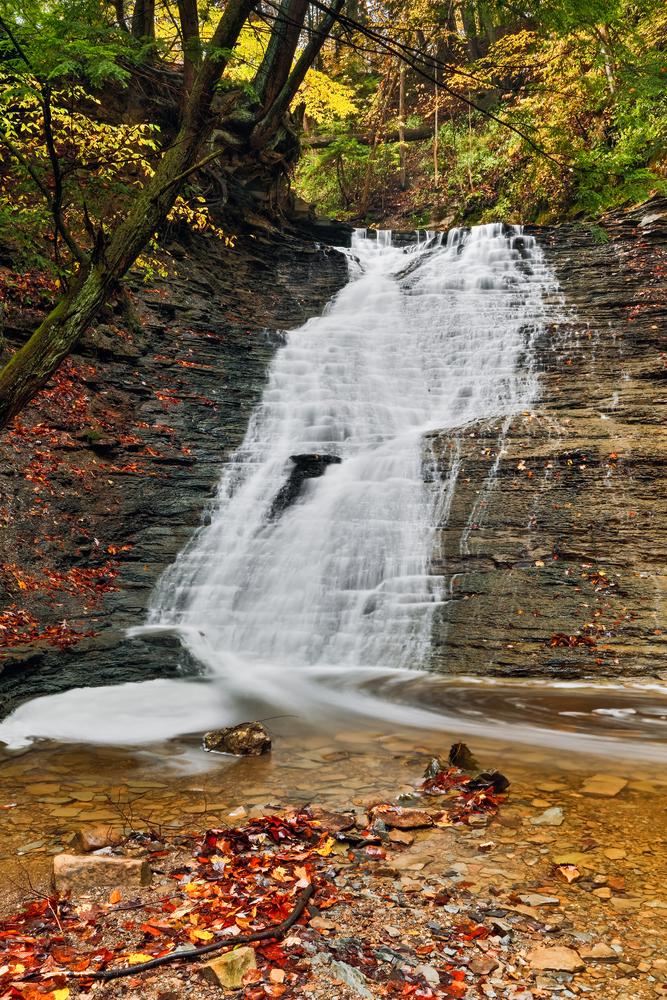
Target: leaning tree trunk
{"type": "Point", "coordinates": [34, 364]}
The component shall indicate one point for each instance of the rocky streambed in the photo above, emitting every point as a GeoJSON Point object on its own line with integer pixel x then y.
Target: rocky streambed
{"type": "Point", "coordinates": [485, 908]}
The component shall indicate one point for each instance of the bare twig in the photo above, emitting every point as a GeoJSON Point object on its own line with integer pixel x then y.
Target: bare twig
{"type": "Point", "coordinates": [38, 894]}
{"type": "Point", "coordinates": [8, 31]}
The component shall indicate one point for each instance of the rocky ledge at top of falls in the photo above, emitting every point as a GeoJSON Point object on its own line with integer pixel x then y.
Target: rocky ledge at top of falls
{"type": "Point", "coordinates": [117, 462]}
{"type": "Point", "coordinates": [554, 550]}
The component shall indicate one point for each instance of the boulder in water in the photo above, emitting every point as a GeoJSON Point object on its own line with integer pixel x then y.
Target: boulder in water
{"type": "Point", "coordinates": [249, 739]}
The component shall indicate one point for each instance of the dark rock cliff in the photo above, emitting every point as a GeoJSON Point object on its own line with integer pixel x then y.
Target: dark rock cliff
{"type": "Point", "coordinates": [557, 563]}
{"type": "Point", "coordinates": [115, 462]}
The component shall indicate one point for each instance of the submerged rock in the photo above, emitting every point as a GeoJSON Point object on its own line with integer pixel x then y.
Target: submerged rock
{"type": "Point", "coordinates": [305, 467]}
{"type": "Point", "coordinates": [99, 837]}
{"type": "Point", "coordinates": [249, 739]}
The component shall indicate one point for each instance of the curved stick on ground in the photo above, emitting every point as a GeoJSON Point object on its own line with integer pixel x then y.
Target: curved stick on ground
{"type": "Point", "coordinates": [188, 956]}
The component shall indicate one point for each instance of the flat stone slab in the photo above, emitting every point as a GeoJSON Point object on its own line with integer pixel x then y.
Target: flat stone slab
{"type": "Point", "coordinates": [402, 819]}
{"type": "Point", "coordinates": [605, 785]}
{"type": "Point", "coordinates": [558, 959]}
{"type": "Point", "coordinates": [78, 873]}
{"type": "Point", "coordinates": [599, 953]}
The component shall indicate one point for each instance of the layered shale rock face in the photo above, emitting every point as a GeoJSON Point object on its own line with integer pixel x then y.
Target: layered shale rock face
{"type": "Point", "coordinates": [554, 550]}
{"type": "Point", "coordinates": [172, 379]}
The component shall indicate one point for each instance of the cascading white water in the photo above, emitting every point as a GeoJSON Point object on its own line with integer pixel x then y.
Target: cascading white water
{"type": "Point", "coordinates": [430, 338]}
{"type": "Point", "coordinates": [275, 605]}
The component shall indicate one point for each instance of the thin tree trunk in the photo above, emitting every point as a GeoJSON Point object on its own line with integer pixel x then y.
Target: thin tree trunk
{"type": "Point", "coordinates": [606, 54]}
{"type": "Point", "coordinates": [143, 19]}
{"type": "Point", "coordinates": [189, 20]}
{"type": "Point", "coordinates": [33, 365]}
{"type": "Point", "coordinates": [470, 144]}
{"type": "Point", "coordinates": [435, 139]}
{"type": "Point", "coordinates": [401, 123]}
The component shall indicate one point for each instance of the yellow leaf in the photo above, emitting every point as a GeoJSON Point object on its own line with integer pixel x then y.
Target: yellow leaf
{"type": "Point", "coordinates": [136, 958]}
{"type": "Point", "coordinates": [327, 849]}
{"type": "Point", "coordinates": [61, 994]}
{"type": "Point", "coordinates": [204, 935]}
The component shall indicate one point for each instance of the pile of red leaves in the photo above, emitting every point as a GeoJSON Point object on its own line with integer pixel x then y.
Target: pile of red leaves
{"type": "Point", "coordinates": [243, 880]}
{"type": "Point", "coordinates": [477, 795]}
{"type": "Point", "coordinates": [561, 639]}
{"type": "Point", "coordinates": [18, 626]}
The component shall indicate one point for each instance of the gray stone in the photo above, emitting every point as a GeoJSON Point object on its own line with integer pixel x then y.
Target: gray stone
{"type": "Point", "coordinates": [351, 977]}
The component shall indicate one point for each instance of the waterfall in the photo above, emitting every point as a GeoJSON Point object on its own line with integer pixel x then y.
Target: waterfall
{"type": "Point", "coordinates": [314, 574]}
{"type": "Point", "coordinates": [429, 337]}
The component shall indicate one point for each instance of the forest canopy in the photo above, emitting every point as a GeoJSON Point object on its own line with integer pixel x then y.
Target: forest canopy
{"type": "Point", "coordinates": [119, 118]}
{"type": "Point", "coordinates": [521, 111]}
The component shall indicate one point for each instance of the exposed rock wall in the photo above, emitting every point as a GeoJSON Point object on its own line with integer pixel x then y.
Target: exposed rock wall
{"type": "Point", "coordinates": [173, 383]}
{"type": "Point", "coordinates": [557, 563]}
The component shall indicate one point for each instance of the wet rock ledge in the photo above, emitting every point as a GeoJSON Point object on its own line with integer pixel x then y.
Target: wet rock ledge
{"type": "Point", "coordinates": [115, 462]}
{"type": "Point", "coordinates": [556, 563]}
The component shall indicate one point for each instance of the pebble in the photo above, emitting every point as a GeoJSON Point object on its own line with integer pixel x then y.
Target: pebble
{"type": "Point", "coordinates": [550, 817]}
{"type": "Point", "coordinates": [614, 853]}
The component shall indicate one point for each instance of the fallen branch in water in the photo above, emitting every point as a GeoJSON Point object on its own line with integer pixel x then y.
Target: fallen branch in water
{"type": "Point", "coordinates": [270, 932]}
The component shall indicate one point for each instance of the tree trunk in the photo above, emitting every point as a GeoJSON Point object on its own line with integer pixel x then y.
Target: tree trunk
{"type": "Point", "coordinates": [401, 124]}
{"type": "Point", "coordinates": [470, 29]}
{"type": "Point", "coordinates": [606, 55]}
{"type": "Point", "coordinates": [285, 96]}
{"type": "Point", "coordinates": [119, 7]}
{"type": "Point", "coordinates": [34, 364]}
{"type": "Point", "coordinates": [189, 19]}
{"type": "Point", "coordinates": [368, 138]}
{"type": "Point", "coordinates": [143, 19]}
{"type": "Point", "coordinates": [277, 62]}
